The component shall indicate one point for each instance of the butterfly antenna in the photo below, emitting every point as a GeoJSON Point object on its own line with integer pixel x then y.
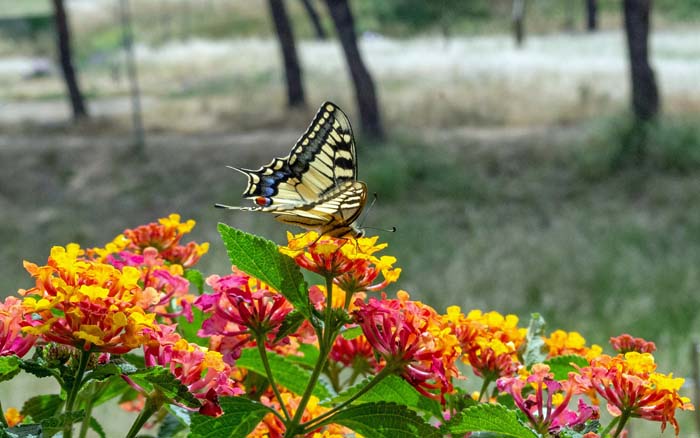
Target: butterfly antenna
{"type": "Point", "coordinates": [364, 217]}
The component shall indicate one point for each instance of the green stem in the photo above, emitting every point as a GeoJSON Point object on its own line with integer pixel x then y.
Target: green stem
{"type": "Point", "coordinates": [325, 342]}
{"type": "Point", "coordinates": [85, 425]}
{"type": "Point", "coordinates": [609, 427]}
{"type": "Point", "coordinates": [621, 425]}
{"type": "Point", "coordinates": [484, 387]}
{"type": "Point", "coordinates": [260, 340]}
{"type": "Point", "coordinates": [75, 387]}
{"type": "Point", "coordinates": [154, 401]}
{"type": "Point", "coordinates": [313, 424]}
{"type": "Point", "coordinates": [2, 417]}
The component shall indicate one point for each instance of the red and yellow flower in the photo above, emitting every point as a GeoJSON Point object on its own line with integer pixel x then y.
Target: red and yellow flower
{"type": "Point", "coordinates": [12, 340]}
{"type": "Point", "coordinates": [632, 387]}
{"type": "Point", "coordinates": [561, 343]}
{"type": "Point", "coordinates": [87, 304]}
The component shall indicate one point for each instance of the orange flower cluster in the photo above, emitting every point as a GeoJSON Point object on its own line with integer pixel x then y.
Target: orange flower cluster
{"type": "Point", "coordinates": [632, 387]}
{"type": "Point", "coordinates": [12, 340]}
{"type": "Point", "coordinates": [87, 304]}
{"type": "Point", "coordinates": [561, 343]}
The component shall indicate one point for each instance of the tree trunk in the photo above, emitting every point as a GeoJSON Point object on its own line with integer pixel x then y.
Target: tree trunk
{"type": "Point", "coordinates": [315, 20]}
{"type": "Point", "coordinates": [364, 86]}
{"type": "Point", "coordinates": [128, 43]}
{"type": "Point", "coordinates": [591, 15]}
{"type": "Point", "coordinates": [518, 18]}
{"type": "Point", "coordinates": [292, 71]}
{"type": "Point", "coordinates": [645, 94]}
{"type": "Point", "coordinates": [66, 59]}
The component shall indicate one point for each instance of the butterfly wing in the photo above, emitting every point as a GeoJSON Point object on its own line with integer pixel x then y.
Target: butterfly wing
{"type": "Point", "coordinates": [320, 161]}
{"type": "Point", "coordinates": [332, 215]}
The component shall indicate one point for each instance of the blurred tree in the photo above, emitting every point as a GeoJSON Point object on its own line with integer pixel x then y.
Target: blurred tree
{"type": "Point", "coordinates": [285, 35]}
{"type": "Point", "coordinates": [65, 58]}
{"type": "Point", "coordinates": [315, 19]}
{"type": "Point", "coordinates": [591, 15]}
{"type": "Point", "coordinates": [645, 94]}
{"type": "Point", "coordinates": [128, 44]}
{"type": "Point", "coordinates": [519, 21]}
{"type": "Point", "coordinates": [364, 86]}
{"type": "Point", "coordinates": [420, 15]}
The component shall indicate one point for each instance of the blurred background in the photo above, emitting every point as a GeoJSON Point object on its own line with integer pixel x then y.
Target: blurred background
{"type": "Point", "coordinates": [534, 155]}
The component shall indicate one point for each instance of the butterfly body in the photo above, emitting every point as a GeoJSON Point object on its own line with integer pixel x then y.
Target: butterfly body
{"type": "Point", "coordinates": [315, 186]}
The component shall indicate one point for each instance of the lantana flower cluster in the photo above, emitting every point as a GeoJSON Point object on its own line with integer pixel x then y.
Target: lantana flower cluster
{"type": "Point", "coordinates": [135, 293]}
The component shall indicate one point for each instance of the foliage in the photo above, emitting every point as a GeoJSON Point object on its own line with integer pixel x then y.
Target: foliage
{"type": "Point", "coordinates": [276, 363]}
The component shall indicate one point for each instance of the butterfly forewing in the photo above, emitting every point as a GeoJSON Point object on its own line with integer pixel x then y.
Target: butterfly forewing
{"type": "Point", "coordinates": [316, 186]}
{"type": "Point", "coordinates": [320, 160]}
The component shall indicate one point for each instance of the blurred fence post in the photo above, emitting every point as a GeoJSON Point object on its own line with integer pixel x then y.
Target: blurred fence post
{"type": "Point", "coordinates": [128, 42]}
{"type": "Point", "coordinates": [695, 364]}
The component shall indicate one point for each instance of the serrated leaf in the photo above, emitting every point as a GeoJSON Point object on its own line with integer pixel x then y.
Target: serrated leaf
{"type": "Point", "coordinates": [239, 419]}
{"type": "Point", "coordinates": [9, 367]}
{"type": "Point", "coordinates": [162, 379]}
{"type": "Point", "coordinates": [286, 373]}
{"type": "Point", "coordinates": [189, 330]}
{"type": "Point", "coordinates": [134, 359]}
{"type": "Point", "coordinates": [97, 427]}
{"type": "Point", "coordinates": [384, 420]}
{"type": "Point", "coordinates": [195, 278]}
{"type": "Point", "coordinates": [488, 417]}
{"type": "Point", "coordinates": [561, 366]}
{"type": "Point", "coordinates": [535, 349]}
{"type": "Point", "coordinates": [52, 425]}
{"type": "Point", "coordinates": [42, 406]}
{"type": "Point", "coordinates": [351, 333]}
{"type": "Point", "coordinates": [22, 431]}
{"type": "Point", "coordinates": [390, 389]}
{"type": "Point", "coordinates": [310, 355]}
{"type": "Point", "coordinates": [261, 259]}
{"type": "Point", "coordinates": [35, 368]}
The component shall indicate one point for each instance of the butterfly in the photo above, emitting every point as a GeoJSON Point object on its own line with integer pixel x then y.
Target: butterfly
{"type": "Point", "coordinates": [315, 186]}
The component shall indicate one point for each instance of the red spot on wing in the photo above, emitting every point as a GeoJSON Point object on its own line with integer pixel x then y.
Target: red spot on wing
{"type": "Point", "coordinates": [263, 201]}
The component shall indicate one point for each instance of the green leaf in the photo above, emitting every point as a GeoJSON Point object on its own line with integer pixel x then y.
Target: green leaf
{"type": "Point", "coordinates": [561, 366]}
{"type": "Point", "coordinates": [309, 358]}
{"type": "Point", "coordinates": [9, 367]}
{"type": "Point", "coordinates": [488, 417]}
{"type": "Point", "coordinates": [42, 407]}
{"type": "Point", "coordinates": [97, 427]}
{"type": "Point", "coordinates": [196, 278]}
{"type": "Point", "coordinates": [189, 330]}
{"type": "Point", "coordinates": [535, 350]}
{"type": "Point", "coordinates": [261, 259]}
{"type": "Point", "coordinates": [351, 333]}
{"type": "Point", "coordinates": [99, 392]}
{"type": "Point", "coordinates": [239, 419]}
{"type": "Point", "coordinates": [52, 425]}
{"type": "Point", "coordinates": [37, 368]}
{"type": "Point", "coordinates": [134, 359]}
{"type": "Point", "coordinates": [384, 420]}
{"type": "Point", "coordinates": [286, 373]}
{"type": "Point", "coordinates": [162, 379]}
{"type": "Point", "coordinates": [390, 389]}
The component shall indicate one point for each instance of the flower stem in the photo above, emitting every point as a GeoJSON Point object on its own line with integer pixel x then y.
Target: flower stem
{"type": "Point", "coordinates": [313, 424]}
{"type": "Point", "coordinates": [621, 425]}
{"type": "Point", "coordinates": [484, 387]}
{"type": "Point", "coordinates": [260, 340]}
{"type": "Point", "coordinates": [607, 429]}
{"type": "Point", "coordinates": [325, 342]}
{"type": "Point", "coordinates": [3, 422]}
{"type": "Point", "coordinates": [154, 401]}
{"type": "Point", "coordinates": [75, 387]}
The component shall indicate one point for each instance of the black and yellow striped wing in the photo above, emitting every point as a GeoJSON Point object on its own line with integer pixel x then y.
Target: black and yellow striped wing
{"type": "Point", "coordinates": [322, 159]}
{"type": "Point", "coordinates": [316, 186]}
